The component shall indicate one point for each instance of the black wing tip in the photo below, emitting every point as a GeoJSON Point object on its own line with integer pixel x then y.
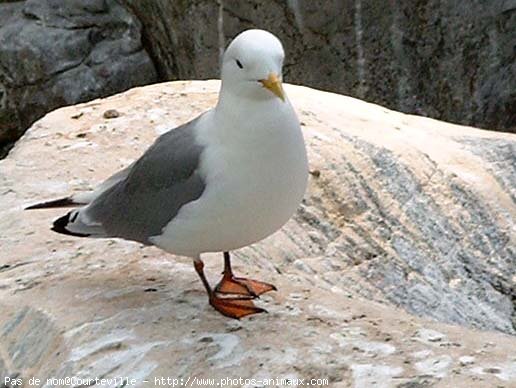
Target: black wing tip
{"type": "Point", "coordinates": [61, 202]}
{"type": "Point", "coordinates": [59, 226]}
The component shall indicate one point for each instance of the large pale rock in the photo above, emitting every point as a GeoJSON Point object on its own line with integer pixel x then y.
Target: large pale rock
{"type": "Point", "coordinates": [407, 222]}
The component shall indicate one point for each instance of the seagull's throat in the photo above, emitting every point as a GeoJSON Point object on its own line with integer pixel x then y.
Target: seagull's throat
{"type": "Point", "coordinates": [273, 83]}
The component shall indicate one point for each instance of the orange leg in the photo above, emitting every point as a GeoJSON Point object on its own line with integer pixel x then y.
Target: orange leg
{"type": "Point", "coordinates": [233, 285]}
{"type": "Point", "coordinates": [230, 307]}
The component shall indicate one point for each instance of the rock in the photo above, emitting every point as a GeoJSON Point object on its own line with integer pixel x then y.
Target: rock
{"type": "Point", "coordinates": [111, 114]}
{"type": "Point", "coordinates": [180, 36]}
{"type": "Point", "coordinates": [429, 336]}
{"type": "Point", "coordinates": [466, 360]}
{"type": "Point", "coordinates": [435, 58]}
{"type": "Point", "coordinates": [437, 366]}
{"type": "Point", "coordinates": [408, 224]}
{"type": "Point", "coordinates": [55, 53]}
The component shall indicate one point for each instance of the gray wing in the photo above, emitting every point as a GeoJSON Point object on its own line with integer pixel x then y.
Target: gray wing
{"type": "Point", "coordinates": [164, 179]}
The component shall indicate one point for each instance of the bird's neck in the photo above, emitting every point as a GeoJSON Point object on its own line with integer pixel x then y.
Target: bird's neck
{"type": "Point", "coordinates": [236, 105]}
{"type": "Point", "coordinates": [249, 120]}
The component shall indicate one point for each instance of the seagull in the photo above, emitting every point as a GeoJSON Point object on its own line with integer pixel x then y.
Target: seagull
{"type": "Point", "coordinates": [227, 179]}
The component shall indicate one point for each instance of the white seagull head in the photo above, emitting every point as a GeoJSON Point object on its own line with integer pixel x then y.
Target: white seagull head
{"type": "Point", "coordinates": [252, 66]}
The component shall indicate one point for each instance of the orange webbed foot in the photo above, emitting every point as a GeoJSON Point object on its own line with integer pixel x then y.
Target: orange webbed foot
{"type": "Point", "coordinates": [233, 296]}
{"type": "Point", "coordinates": [235, 307]}
{"type": "Point", "coordinates": [242, 286]}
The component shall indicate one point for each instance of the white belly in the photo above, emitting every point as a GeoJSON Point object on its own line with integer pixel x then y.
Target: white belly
{"type": "Point", "coordinates": [253, 187]}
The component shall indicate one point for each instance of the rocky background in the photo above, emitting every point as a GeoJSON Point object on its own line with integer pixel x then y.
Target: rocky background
{"type": "Point", "coordinates": [435, 58]}
{"type": "Point", "coordinates": [55, 53]}
{"type": "Point", "coordinates": [396, 271]}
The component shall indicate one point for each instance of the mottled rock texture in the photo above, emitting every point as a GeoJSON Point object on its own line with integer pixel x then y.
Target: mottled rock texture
{"type": "Point", "coordinates": [436, 58]}
{"type": "Point", "coordinates": [407, 223]}
{"type": "Point", "coordinates": [55, 53]}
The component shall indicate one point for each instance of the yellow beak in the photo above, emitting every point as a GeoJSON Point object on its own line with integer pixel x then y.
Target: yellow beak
{"type": "Point", "coordinates": [273, 83]}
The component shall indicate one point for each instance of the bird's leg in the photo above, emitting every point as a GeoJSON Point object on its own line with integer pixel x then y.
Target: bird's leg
{"type": "Point", "coordinates": [230, 307]}
{"type": "Point", "coordinates": [231, 284]}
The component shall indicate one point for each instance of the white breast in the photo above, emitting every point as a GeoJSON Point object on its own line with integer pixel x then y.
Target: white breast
{"type": "Point", "coordinates": [255, 168]}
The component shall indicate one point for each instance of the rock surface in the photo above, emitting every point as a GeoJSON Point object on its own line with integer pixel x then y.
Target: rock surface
{"type": "Point", "coordinates": [431, 57]}
{"type": "Point", "coordinates": [55, 53]}
{"type": "Point", "coordinates": [403, 215]}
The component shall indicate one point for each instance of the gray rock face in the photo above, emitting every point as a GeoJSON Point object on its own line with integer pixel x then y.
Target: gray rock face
{"type": "Point", "coordinates": [55, 53]}
{"type": "Point", "coordinates": [436, 58]}
{"type": "Point", "coordinates": [181, 36]}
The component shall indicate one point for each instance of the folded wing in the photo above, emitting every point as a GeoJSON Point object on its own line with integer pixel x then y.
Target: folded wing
{"type": "Point", "coordinates": [140, 201]}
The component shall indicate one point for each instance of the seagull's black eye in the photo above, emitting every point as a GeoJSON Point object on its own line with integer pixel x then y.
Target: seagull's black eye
{"type": "Point", "coordinates": [239, 64]}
